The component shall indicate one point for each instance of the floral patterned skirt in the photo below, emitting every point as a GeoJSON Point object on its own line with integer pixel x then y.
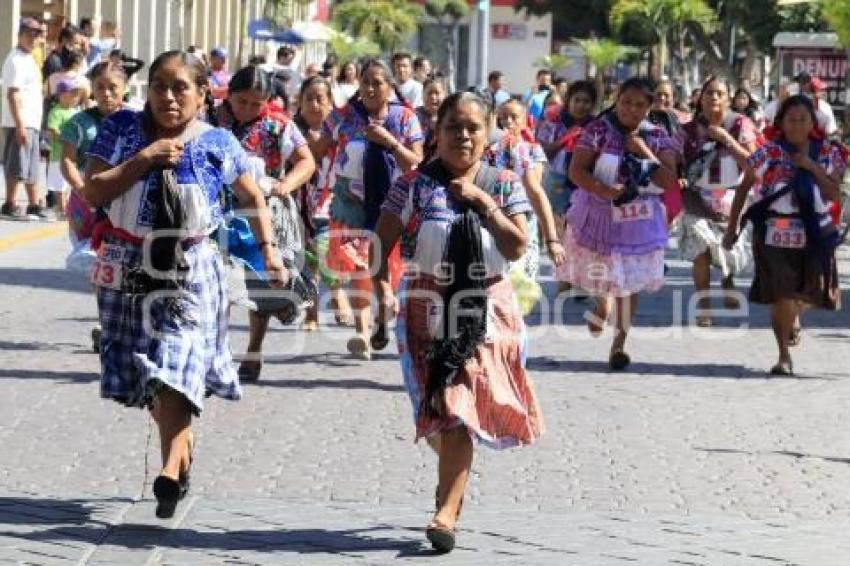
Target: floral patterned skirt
{"type": "Point", "coordinates": [614, 274]}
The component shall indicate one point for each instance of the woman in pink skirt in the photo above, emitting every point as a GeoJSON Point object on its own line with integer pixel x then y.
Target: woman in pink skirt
{"type": "Point", "coordinates": [616, 229]}
{"type": "Point", "coordinates": [459, 332]}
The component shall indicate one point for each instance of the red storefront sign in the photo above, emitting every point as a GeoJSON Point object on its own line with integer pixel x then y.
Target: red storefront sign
{"type": "Point", "coordinates": [829, 65]}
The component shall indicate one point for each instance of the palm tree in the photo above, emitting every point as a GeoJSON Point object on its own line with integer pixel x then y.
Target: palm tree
{"type": "Point", "coordinates": [387, 23]}
{"type": "Point", "coordinates": [604, 54]}
{"type": "Point", "coordinates": [664, 16]}
{"type": "Point", "coordinates": [448, 13]}
{"type": "Point", "coordinates": [553, 62]}
{"type": "Point", "coordinates": [347, 48]}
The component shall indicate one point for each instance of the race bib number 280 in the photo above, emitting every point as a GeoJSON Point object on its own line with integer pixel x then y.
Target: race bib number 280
{"type": "Point", "coordinates": [108, 269]}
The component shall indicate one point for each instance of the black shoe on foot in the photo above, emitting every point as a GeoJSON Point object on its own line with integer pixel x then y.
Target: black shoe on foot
{"type": "Point", "coordinates": [442, 539]}
{"type": "Point", "coordinates": [619, 360]}
{"type": "Point", "coordinates": [167, 493]}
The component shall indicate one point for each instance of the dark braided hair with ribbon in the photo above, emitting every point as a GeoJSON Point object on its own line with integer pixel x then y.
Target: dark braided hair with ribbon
{"type": "Point", "coordinates": [464, 323]}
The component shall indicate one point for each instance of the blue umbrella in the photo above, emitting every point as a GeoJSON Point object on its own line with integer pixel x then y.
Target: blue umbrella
{"type": "Point", "coordinates": [264, 29]}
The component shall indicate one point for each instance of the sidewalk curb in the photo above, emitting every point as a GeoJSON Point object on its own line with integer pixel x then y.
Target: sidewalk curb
{"type": "Point", "coordinates": [30, 236]}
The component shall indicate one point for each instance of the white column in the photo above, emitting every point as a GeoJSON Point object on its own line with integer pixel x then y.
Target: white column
{"type": "Point", "coordinates": [72, 12]}
{"type": "Point", "coordinates": [205, 25]}
{"type": "Point", "coordinates": [165, 38]}
{"type": "Point", "coordinates": [9, 27]}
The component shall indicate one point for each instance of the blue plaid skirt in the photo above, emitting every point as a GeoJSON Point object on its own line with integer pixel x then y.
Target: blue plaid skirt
{"type": "Point", "coordinates": [177, 339]}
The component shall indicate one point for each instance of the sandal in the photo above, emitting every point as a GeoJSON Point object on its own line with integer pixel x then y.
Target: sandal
{"type": "Point", "coordinates": [249, 371]}
{"type": "Point", "coordinates": [618, 360]}
{"type": "Point", "coordinates": [358, 347]}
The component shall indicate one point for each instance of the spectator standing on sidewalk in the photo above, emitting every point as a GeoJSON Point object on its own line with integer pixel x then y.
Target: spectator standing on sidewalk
{"type": "Point", "coordinates": [68, 91]}
{"type": "Point", "coordinates": [219, 75]}
{"type": "Point", "coordinates": [495, 91]}
{"type": "Point", "coordinates": [422, 69]}
{"type": "Point", "coordinates": [70, 39]}
{"type": "Point", "coordinates": [410, 88]}
{"type": "Point", "coordinates": [21, 119]}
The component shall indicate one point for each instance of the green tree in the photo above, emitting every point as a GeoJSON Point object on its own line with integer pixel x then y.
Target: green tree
{"type": "Point", "coordinates": [603, 54]}
{"type": "Point", "coordinates": [837, 15]}
{"type": "Point", "coordinates": [553, 62]}
{"type": "Point", "coordinates": [384, 22]}
{"type": "Point", "coordinates": [448, 13]}
{"type": "Point", "coordinates": [347, 48]}
{"type": "Point", "coordinates": [667, 18]}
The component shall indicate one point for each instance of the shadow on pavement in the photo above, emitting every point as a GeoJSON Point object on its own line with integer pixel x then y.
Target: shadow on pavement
{"type": "Point", "coordinates": [61, 376]}
{"type": "Point", "coordinates": [55, 279]}
{"type": "Point", "coordinates": [36, 511]}
{"type": "Point", "coordinates": [719, 371]}
{"type": "Point", "coordinates": [297, 541]}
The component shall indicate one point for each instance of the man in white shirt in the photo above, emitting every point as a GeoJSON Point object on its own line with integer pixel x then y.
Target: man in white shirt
{"type": "Point", "coordinates": [21, 122]}
{"type": "Point", "coordinates": [496, 94]}
{"type": "Point", "coordinates": [410, 88]}
{"type": "Point", "coordinates": [287, 64]}
{"type": "Point", "coordinates": [815, 89]}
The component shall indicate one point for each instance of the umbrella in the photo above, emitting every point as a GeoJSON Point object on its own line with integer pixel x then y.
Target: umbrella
{"type": "Point", "coordinates": [264, 30]}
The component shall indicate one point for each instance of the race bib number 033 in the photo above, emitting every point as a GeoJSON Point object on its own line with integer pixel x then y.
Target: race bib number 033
{"type": "Point", "coordinates": [108, 269]}
{"type": "Point", "coordinates": [785, 233]}
{"type": "Point", "coordinates": [633, 211]}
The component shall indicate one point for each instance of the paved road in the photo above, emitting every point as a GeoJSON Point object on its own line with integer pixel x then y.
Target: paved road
{"type": "Point", "coordinates": [692, 457]}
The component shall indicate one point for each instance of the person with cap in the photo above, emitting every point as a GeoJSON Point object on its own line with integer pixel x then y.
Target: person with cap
{"type": "Point", "coordinates": [68, 92]}
{"type": "Point", "coordinates": [815, 89]}
{"type": "Point", "coordinates": [219, 75]}
{"type": "Point", "coordinates": [21, 120]}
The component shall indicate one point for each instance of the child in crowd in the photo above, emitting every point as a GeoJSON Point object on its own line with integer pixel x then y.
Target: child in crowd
{"type": "Point", "coordinates": [68, 93]}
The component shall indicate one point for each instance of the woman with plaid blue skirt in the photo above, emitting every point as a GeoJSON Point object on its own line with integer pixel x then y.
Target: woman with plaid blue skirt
{"type": "Point", "coordinates": [161, 285]}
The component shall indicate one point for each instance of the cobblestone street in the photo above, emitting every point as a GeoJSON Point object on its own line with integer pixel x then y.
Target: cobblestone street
{"type": "Point", "coordinates": [694, 456]}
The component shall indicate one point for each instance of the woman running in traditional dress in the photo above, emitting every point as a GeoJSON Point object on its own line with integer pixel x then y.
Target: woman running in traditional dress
{"type": "Point", "coordinates": [314, 107]}
{"type": "Point", "coordinates": [163, 298]}
{"type": "Point", "coordinates": [272, 139]}
{"type": "Point", "coordinates": [717, 143]}
{"type": "Point", "coordinates": [470, 383]}
{"type": "Point", "coordinates": [616, 225]}
{"type": "Point", "coordinates": [518, 151]}
{"type": "Point", "coordinates": [794, 239]}
{"type": "Point", "coordinates": [378, 138]}
{"type": "Point", "coordinates": [558, 133]}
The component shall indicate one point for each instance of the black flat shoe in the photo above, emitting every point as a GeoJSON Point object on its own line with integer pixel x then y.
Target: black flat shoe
{"type": "Point", "coordinates": [442, 539]}
{"type": "Point", "coordinates": [249, 372]}
{"type": "Point", "coordinates": [784, 368]}
{"type": "Point", "coordinates": [167, 492]}
{"type": "Point", "coordinates": [619, 360]}
{"type": "Point", "coordinates": [380, 340]}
